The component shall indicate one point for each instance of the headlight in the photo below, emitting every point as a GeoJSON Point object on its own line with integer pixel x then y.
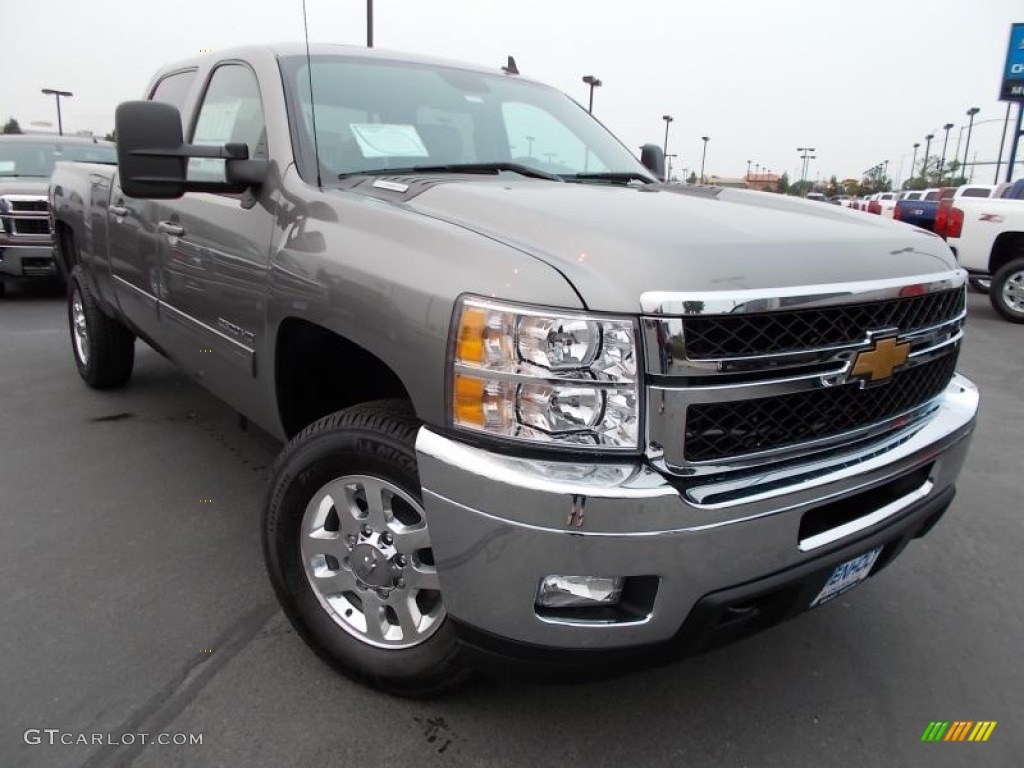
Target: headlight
{"type": "Point", "coordinates": [548, 377]}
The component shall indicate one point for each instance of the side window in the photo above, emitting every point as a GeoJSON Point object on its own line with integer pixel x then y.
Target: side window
{"type": "Point", "coordinates": [231, 113]}
{"type": "Point", "coordinates": [538, 138]}
{"type": "Point", "coordinates": [173, 89]}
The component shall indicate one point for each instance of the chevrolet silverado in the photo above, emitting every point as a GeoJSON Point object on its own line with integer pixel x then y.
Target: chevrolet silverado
{"type": "Point", "coordinates": [539, 406]}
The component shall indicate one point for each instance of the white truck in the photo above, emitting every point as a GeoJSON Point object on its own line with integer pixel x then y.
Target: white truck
{"type": "Point", "coordinates": [987, 235]}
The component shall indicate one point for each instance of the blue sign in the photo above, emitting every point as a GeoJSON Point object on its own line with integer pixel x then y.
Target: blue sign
{"type": "Point", "coordinates": [1013, 74]}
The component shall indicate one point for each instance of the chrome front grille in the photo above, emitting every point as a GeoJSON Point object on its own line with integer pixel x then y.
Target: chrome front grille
{"type": "Point", "coordinates": [743, 379]}
{"type": "Point", "coordinates": [25, 216]}
{"type": "Point", "coordinates": [717, 431]}
{"type": "Point", "coordinates": [771, 333]}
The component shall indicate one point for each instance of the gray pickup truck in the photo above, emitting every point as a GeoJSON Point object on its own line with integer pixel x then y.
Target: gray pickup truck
{"type": "Point", "coordinates": [540, 407]}
{"type": "Point", "coordinates": [26, 161]}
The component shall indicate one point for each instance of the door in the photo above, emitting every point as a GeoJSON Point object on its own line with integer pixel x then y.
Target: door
{"type": "Point", "coordinates": [217, 246]}
{"type": "Point", "coordinates": [135, 245]}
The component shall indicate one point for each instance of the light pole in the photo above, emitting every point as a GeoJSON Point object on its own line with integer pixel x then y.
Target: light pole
{"type": "Point", "coordinates": [369, 23]}
{"type": "Point", "coordinates": [529, 148]}
{"type": "Point", "coordinates": [803, 166]}
{"type": "Point", "coordinates": [57, 94]}
{"type": "Point", "coordinates": [593, 82]}
{"type": "Point", "coordinates": [668, 120]}
{"type": "Point", "coordinates": [668, 164]}
{"type": "Point", "coordinates": [885, 172]}
{"type": "Point", "coordinates": [748, 170]}
{"type": "Point", "coordinates": [1002, 141]}
{"type": "Point", "coordinates": [914, 161]}
{"type": "Point", "coordinates": [927, 149]}
{"type": "Point", "coordinates": [703, 156]}
{"type": "Point", "coordinates": [967, 149]}
{"type": "Point", "coordinates": [942, 160]}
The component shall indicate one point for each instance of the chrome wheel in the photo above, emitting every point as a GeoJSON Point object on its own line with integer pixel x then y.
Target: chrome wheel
{"type": "Point", "coordinates": [366, 553]}
{"type": "Point", "coordinates": [1013, 291]}
{"type": "Point", "coordinates": [79, 327]}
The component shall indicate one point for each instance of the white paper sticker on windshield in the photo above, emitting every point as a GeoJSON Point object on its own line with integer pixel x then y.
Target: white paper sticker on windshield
{"type": "Point", "coordinates": [388, 140]}
{"type": "Point", "coordinates": [6, 166]}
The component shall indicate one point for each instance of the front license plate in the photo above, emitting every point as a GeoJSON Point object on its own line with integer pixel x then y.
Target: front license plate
{"type": "Point", "coordinates": [847, 576]}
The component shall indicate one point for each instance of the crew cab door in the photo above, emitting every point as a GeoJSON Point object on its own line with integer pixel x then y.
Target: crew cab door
{"type": "Point", "coordinates": [216, 246]}
{"type": "Point", "coordinates": [135, 244]}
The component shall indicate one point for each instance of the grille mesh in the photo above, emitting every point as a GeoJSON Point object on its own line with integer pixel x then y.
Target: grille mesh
{"type": "Point", "coordinates": [716, 431]}
{"type": "Point", "coordinates": [797, 330]}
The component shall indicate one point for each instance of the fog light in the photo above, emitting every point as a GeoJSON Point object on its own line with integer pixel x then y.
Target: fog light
{"type": "Point", "coordinates": [578, 591]}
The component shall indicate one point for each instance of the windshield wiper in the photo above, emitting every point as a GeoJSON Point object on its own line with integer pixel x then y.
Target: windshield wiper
{"type": "Point", "coordinates": [523, 170]}
{"type": "Point", "coordinates": [624, 176]}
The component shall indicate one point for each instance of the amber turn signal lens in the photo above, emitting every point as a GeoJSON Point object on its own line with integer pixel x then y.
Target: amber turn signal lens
{"type": "Point", "coordinates": [472, 325]}
{"type": "Point", "coordinates": [469, 400]}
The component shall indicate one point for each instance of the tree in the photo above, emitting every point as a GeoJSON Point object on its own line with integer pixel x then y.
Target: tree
{"type": "Point", "coordinates": [112, 136]}
{"type": "Point", "coordinates": [11, 126]}
{"type": "Point", "coordinates": [783, 183]}
{"type": "Point", "coordinates": [833, 186]}
{"type": "Point", "coordinates": [692, 178]}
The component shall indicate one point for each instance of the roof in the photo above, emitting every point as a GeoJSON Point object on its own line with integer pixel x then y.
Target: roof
{"type": "Point", "coordinates": [52, 138]}
{"type": "Point", "coordinates": [286, 49]}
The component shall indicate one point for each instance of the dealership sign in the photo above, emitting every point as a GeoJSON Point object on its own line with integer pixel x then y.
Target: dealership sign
{"type": "Point", "coordinates": [1013, 74]}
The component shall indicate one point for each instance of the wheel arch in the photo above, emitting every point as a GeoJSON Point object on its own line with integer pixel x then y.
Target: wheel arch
{"type": "Point", "coordinates": [318, 371]}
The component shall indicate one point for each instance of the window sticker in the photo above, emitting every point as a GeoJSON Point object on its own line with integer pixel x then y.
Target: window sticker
{"type": "Point", "coordinates": [7, 166]}
{"type": "Point", "coordinates": [388, 140]}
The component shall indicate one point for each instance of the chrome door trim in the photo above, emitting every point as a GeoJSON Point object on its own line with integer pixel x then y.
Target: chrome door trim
{"type": "Point", "coordinates": [148, 298]}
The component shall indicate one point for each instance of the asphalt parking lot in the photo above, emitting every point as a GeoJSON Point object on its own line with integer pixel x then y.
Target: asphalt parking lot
{"type": "Point", "coordinates": [134, 600]}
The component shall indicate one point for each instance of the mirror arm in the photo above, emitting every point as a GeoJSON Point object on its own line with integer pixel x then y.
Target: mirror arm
{"type": "Point", "coordinates": [225, 152]}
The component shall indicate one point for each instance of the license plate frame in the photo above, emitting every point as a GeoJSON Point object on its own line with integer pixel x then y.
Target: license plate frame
{"type": "Point", "coordinates": [846, 576]}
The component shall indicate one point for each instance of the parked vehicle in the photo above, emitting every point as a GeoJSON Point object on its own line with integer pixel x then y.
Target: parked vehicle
{"type": "Point", "coordinates": [816, 197]}
{"type": "Point", "coordinates": [532, 412]}
{"type": "Point", "coordinates": [987, 236]}
{"type": "Point", "coordinates": [26, 161]}
{"type": "Point", "coordinates": [921, 213]}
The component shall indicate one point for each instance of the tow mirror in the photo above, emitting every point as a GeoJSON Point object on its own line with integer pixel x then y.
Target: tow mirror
{"type": "Point", "coordinates": [653, 158]}
{"type": "Point", "coordinates": [153, 160]}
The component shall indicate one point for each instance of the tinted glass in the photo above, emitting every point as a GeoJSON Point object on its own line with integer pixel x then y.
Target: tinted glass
{"type": "Point", "coordinates": [376, 115]}
{"type": "Point", "coordinates": [174, 89]}
{"type": "Point", "coordinates": [37, 159]}
{"type": "Point", "coordinates": [231, 113]}
{"type": "Point", "coordinates": [975, 192]}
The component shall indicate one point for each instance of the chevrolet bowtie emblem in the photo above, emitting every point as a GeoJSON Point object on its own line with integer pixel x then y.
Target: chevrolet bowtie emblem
{"type": "Point", "coordinates": [879, 362]}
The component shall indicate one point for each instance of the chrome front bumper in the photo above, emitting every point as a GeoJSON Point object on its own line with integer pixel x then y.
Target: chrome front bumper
{"type": "Point", "coordinates": [27, 261]}
{"type": "Point", "coordinates": [499, 524]}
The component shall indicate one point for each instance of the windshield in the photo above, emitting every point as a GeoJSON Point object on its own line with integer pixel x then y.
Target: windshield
{"type": "Point", "coordinates": [376, 115]}
{"type": "Point", "coordinates": [24, 158]}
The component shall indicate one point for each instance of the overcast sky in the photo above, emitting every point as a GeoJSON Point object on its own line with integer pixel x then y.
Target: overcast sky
{"type": "Point", "coordinates": [860, 81]}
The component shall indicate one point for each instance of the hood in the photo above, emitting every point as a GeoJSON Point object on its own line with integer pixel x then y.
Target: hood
{"type": "Point", "coordinates": [24, 185]}
{"type": "Point", "coordinates": [614, 243]}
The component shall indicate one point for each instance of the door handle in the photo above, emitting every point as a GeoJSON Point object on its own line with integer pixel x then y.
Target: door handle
{"type": "Point", "coordinates": [170, 228]}
{"type": "Point", "coordinates": [120, 211]}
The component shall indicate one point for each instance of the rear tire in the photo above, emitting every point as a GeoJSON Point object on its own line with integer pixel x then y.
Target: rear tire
{"type": "Point", "coordinates": [980, 284]}
{"type": "Point", "coordinates": [104, 349]}
{"type": "Point", "coordinates": [1007, 292]}
{"type": "Point", "coordinates": [348, 552]}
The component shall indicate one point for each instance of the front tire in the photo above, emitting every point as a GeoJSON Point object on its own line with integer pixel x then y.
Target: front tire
{"type": "Point", "coordinates": [104, 349]}
{"type": "Point", "coordinates": [348, 552]}
{"type": "Point", "coordinates": [1007, 293]}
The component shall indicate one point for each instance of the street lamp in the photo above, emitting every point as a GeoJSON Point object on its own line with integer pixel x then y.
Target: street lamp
{"type": "Point", "coordinates": [369, 23]}
{"type": "Point", "coordinates": [703, 156]}
{"type": "Point", "coordinates": [748, 170]}
{"type": "Point", "coordinates": [668, 119]}
{"type": "Point", "coordinates": [927, 149]}
{"type": "Point", "coordinates": [942, 160]}
{"type": "Point", "coordinates": [803, 167]}
{"type": "Point", "coordinates": [529, 148]}
{"type": "Point", "coordinates": [593, 82]}
{"type": "Point", "coordinates": [970, 126]}
{"type": "Point", "coordinates": [913, 162]}
{"type": "Point", "coordinates": [57, 94]}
